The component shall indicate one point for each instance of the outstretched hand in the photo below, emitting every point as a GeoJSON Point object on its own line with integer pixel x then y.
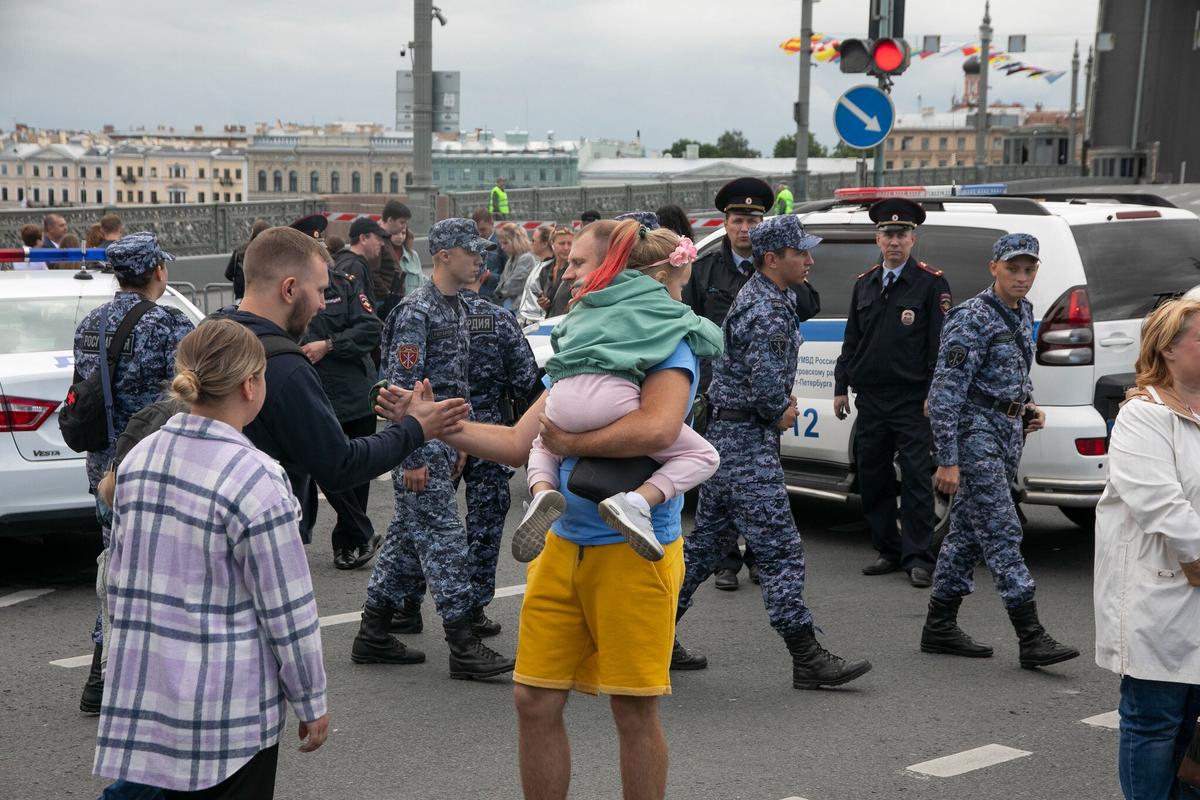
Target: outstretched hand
{"type": "Point", "coordinates": [436, 417]}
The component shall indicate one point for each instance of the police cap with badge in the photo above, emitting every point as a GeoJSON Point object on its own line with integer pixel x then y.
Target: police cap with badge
{"type": "Point", "coordinates": [312, 225]}
{"type": "Point", "coordinates": [896, 215]}
{"type": "Point", "coordinates": [752, 196]}
{"type": "Point", "coordinates": [458, 232]}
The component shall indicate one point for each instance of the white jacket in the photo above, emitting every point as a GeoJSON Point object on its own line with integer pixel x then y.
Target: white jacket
{"type": "Point", "coordinates": [1147, 522]}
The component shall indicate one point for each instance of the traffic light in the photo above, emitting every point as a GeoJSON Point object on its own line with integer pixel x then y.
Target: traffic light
{"type": "Point", "coordinates": [882, 58]}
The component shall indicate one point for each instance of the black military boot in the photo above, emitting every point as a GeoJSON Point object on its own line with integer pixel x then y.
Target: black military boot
{"type": "Point", "coordinates": [482, 626]}
{"type": "Point", "coordinates": [941, 633]}
{"type": "Point", "coordinates": [374, 645]}
{"type": "Point", "coordinates": [93, 689]}
{"type": "Point", "coordinates": [407, 618]}
{"type": "Point", "coordinates": [1038, 648]}
{"type": "Point", "coordinates": [684, 659]}
{"type": "Point", "coordinates": [813, 666]}
{"type": "Point", "coordinates": [469, 657]}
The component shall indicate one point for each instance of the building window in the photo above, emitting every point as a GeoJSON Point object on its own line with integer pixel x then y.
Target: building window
{"type": "Point", "coordinates": [558, 174]}
{"type": "Point", "coordinates": [118, 170]}
{"type": "Point", "coordinates": [277, 181]}
{"type": "Point", "coordinates": [37, 195]}
{"type": "Point", "coordinates": [65, 199]}
{"type": "Point", "coordinates": [20, 194]}
{"type": "Point", "coordinates": [141, 197]}
{"type": "Point", "coordinates": [962, 142]}
{"type": "Point", "coordinates": [3, 169]}
{"type": "Point", "coordinates": [120, 196]}
{"type": "Point", "coordinates": [906, 143]}
{"type": "Point", "coordinates": [262, 180]}
{"type": "Point", "coordinates": [437, 175]}
{"type": "Point", "coordinates": [83, 196]}
{"type": "Point", "coordinates": [377, 183]}
{"type": "Point", "coordinates": [239, 174]}
{"type": "Point", "coordinates": [889, 165]}
{"type": "Point", "coordinates": [393, 183]}
{"type": "Point", "coordinates": [202, 173]}
{"type": "Point", "coordinates": [941, 162]}
{"type": "Point", "coordinates": [355, 183]}
{"type": "Point", "coordinates": [99, 196]}
{"type": "Point", "coordinates": [199, 197]}
{"type": "Point", "coordinates": [141, 172]}
{"type": "Point", "coordinates": [335, 182]}
{"type": "Point", "coordinates": [542, 174]}
{"type": "Point", "coordinates": [314, 182]}
{"type": "Point", "coordinates": [293, 182]}
{"type": "Point", "coordinates": [176, 196]}
{"type": "Point", "coordinates": [238, 198]}
{"type": "Point", "coordinates": [924, 142]}
{"type": "Point", "coordinates": [154, 172]}
{"type": "Point", "coordinates": [4, 194]}
{"type": "Point", "coordinates": [35, 170]}
{"type": "Point", "coordinates": [408, 179]}
{"type": "Point", "coordinates": [99, 173]}
{"type": "Point", "coordinates": [943, 142]}
{"type": "Point", "coordinates": [83, 172]}
{"type": "Point", "coordinates": [177, 171]}
{"type": "Point", "coordinates": [153, 195]}
{"type": "Point", "coordinates": [907, 164]}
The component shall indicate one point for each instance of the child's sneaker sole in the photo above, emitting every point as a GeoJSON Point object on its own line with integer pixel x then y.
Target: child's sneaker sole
{"type": "Point", "coordinates": [613, 516]}
{"type": "Point", "coordinates": [530, 536]}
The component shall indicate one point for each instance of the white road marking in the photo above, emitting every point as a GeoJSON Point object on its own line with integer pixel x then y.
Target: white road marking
{"type": "Point", "coordinates": [1109, 719]}
{"type": "Point", "coordinates": [22, 596]}
{"type": "Point", "coordinates": [325, 622]}
{"type": "Point", "coordinates": [968, 761]}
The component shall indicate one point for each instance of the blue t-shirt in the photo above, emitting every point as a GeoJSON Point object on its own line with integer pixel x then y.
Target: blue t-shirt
{"type": "Point", "coordinates": [581, 522]}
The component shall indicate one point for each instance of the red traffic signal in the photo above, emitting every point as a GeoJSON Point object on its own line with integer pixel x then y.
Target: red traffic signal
{"type": "Point", "coordinates": [882, 57]}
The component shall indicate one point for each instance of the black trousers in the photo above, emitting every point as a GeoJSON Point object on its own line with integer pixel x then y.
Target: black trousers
{"type": "Point", "coordinates": [894, 427]}
{"type": "Point", "coordinates": [735, 558]}
{"type": "Point", "coordinates": [255, 779]}
{"type": "Point", "coordinates": [353, 526]}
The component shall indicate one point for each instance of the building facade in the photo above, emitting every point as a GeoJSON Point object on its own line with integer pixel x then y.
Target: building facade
{"type": "Point", "coordinates": [946, 138]}
{"type": "Point", "coordinates": [476, 160]}
{"type": "Point", "coordinates": [318, 162]}
{"type": "Point", "coordinates": [52, 175]}
{"type": "Point", "coordinates": [156, 174]}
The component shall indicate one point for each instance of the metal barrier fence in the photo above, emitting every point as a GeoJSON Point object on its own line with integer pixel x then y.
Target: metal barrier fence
{"type": "Point", "coordinates": [209, 298]}
{"type": "Point", "coordinates": [565, 203]}
{"type": "Point", "coordinates": [184, 229]}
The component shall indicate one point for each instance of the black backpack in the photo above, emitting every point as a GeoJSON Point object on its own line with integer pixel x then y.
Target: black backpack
{"type": "Point", "coordinates": [86, 416]}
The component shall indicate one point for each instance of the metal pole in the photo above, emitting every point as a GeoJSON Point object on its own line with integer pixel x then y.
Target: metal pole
{"type": "Point", "coordinates": [885, 30]}
{"type": "Point", "coordinates": [800, 179]}
{"type": "Point", "coordinates": [1137, 98]}
{"type": "Point", "coordinates": [981, 114]}
{"type": "Point", "coordinates": [420, 194]}
{"type": "Point", "coordinates": [1088, 68]}
{"type": "Point", "coordinates": [1072, 120]}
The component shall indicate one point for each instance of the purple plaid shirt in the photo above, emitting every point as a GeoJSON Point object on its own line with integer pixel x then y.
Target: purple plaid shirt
{"type": "Point", "coordinates": [214, 621]}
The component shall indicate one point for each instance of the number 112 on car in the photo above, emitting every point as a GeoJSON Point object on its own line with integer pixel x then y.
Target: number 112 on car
{"type": "Point", "coordinates": [806, 419]}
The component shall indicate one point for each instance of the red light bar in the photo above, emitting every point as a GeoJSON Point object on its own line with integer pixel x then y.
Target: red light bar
{"type": "Point", "coordinates": [877, 192]}
{"type": "Point", "coordinates": [1137, 214]}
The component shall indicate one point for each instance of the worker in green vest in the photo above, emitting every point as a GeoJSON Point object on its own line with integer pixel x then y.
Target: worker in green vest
{"type": "Point", "coordinates": [499, 200]}
{"type": "Point", "coordinates": [783, 200]}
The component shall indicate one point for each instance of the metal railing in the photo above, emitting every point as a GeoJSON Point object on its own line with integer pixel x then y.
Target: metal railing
{"type": "Point", "coordinates": [565, 203]}
{"type": "Point", "coordinates": [184, 229]}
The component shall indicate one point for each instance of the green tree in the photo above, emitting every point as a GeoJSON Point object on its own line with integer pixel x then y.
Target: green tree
{"type": "Point", "coordinates": [679, 148]}
{"type": "Point", "coordinates": [710, 151]}
{"type": "Point", "coordinates": [843, 150]}
{"type": "Point", "coordinates": [734, 144]}
{"type": "Point", "coordinates": [786, 147]}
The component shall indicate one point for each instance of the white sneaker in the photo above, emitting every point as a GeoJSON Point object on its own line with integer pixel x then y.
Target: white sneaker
{"type": "Point", "coordinates": [634, 523]}
{"type": "Point", "coordinates": [540, 513]}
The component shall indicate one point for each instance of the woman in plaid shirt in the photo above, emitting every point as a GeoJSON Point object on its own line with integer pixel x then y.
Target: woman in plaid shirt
{"type": "Point", "coordinates": [214, 621]}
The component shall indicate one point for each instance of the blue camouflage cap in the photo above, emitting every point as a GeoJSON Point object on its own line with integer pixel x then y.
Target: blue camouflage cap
{"type": "Point", "coordinates": [136, 254]}
{"type": "Point", "coordinates": [457, 232]}
{"type": "Point", "coordinates": [1012, 245]}
{"type": "Point", "coordinates": [646, 218]}
{"type": "Point", "coordinates": [776, 233]}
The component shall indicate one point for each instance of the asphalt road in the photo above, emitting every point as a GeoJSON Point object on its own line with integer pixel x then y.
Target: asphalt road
{"type": "Point", "coordinates": [736, 730]}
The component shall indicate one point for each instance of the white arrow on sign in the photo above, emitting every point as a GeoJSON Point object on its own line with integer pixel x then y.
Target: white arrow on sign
{"type": "Point", "coordinates": [872, 123]}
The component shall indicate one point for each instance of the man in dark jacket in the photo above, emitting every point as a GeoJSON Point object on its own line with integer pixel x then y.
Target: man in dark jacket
{"type": "Point", "coordinates": [286, 278]}
{"type": "Point", "coordinates": [234, 273]}
{"type": "Point", "coordinates": [339, 343]}
{"type": "Point", "coordinates": [354, 261]}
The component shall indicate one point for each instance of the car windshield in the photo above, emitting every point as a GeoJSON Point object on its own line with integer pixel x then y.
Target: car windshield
{"type": "Point", "coordinates": [1131, 266]}
{"type": "Point", "coordinates": [40, 324]}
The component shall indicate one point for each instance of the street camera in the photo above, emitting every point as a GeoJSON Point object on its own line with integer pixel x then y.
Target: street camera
{"type": "Point", "coordinates": [439, 16]}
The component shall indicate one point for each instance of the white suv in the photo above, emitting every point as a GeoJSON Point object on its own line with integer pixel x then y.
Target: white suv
{"type": "Point", "coordinates": [42, 481]}
{"type": "Point", "coordinates": [1106, 262]}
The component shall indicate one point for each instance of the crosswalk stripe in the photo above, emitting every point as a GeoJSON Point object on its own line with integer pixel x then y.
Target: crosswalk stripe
{"type": "Point", "coordinates": [968, 761]}
{"type": "Point", "coordinates": [22, 596]}
{"type": "Point", "coordinates": [325, 622]}
{"type": "Point", "coordinates": [1109, 719]}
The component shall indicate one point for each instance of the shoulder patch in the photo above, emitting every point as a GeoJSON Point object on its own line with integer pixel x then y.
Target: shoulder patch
{"type": "Point", "coordinates": [956, 356]}
{"type": "Point", "coordinates": [366, 303]}
{"type": "Point", "coordinates": [408, 355]}
{"type": "Point", "coordinates": [778, 344]}
{"type": "Point", "coordinates": [868, 272]}
{"type": "Point", "coordinates": [937, 273]}
{"type": "Point", "coordinates": [945, 301]}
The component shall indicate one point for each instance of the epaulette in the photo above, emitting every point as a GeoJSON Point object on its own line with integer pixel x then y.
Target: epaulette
{"type": "Point", "coordinates": [937, 273]}
{"type": "Point", "coordinates": [868, 272]}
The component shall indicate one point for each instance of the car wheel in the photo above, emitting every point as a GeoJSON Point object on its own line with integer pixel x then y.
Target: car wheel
{"type": "Point", "coordinates": [1083, 516]}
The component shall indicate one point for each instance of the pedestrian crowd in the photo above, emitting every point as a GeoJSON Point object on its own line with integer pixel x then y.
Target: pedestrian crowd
{"type": "Point", "coordinates": [671, 371]}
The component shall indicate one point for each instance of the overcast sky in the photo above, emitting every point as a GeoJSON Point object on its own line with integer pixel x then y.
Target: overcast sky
{"type": "Point", "coordinates": [605, 68]}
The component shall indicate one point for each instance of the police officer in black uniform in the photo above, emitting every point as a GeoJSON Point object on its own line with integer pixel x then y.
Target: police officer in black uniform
{"type": "Point", "coordinates": [717, 277]}
{"type": "Point", "coordinates": [888, 355]}
{"type": "Point", "coordinates": [339, 342]}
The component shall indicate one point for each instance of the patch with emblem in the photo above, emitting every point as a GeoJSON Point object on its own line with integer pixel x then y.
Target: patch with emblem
{"type": "Point", "coordinates": [908, 317]}
{"type": "Point", "coordinates": [366, 303]}
{"type": "Point", "coordinates": [956, 356]}
{"type": "Point", "coordinates": [945, 301]}
{"type": "Point", "coordinates": [444, 332]}
{"type": "Point", "coordinates": [408, 355]}
{"type": "Point", "coordinates": [778, 345]}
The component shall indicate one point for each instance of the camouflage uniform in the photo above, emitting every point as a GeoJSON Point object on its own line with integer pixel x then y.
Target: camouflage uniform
{"type": "Point", "coordinates": [426, 337]}
{"type": "Point", "coordinates": [981, 356]}
{"type": "Point", "coordinates": [747, 496]}
{"type": "Point", "coordinates": [502, 369]}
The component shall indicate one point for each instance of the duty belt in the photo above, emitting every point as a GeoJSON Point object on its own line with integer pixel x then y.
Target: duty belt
{"type": "Point", "coordinates": [1009, 408]}
{"type": "Point", "coordinates": [738, 415]}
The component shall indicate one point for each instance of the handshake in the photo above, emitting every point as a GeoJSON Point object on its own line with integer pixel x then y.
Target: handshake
{"type": "Point", "coordinates": [436, 417]}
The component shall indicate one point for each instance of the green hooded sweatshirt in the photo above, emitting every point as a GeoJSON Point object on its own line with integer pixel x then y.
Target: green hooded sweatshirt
{"type": "Point", "coordinates": [625, 328]}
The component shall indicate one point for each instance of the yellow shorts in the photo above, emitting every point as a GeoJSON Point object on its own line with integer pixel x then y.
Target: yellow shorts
{"type": "Point", "coordinates": [599, 619]}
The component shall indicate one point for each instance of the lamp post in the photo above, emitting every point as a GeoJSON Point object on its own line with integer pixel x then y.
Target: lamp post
{"type": "Point", "coordinates": [981, 113]}
{"type": "Point", "coordinates": [800, 179]}
{"type": "Point", "coordinates": [421, 193]}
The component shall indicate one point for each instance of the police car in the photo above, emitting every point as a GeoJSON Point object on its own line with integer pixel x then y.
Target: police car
{"type": "Point", "coordinates": [42, 481]}
{"type": "Point", "coordinates": [1107, 260]}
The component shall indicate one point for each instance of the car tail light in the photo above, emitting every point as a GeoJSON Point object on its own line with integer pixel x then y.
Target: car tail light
{"type": "Point", "coordinates": [1065, 335]}
{"type": "Point", "coordinates": [1092, 447]}
{"type": "Point", "coordinates": [24, 413]}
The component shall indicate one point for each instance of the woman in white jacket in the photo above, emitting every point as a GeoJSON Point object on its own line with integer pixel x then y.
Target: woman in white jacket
{"type": "Point", "coordinates": [1147, 590]}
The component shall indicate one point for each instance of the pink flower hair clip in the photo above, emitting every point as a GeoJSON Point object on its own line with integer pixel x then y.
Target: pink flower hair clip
{"type": "Point", "coordinates": [684, 253]}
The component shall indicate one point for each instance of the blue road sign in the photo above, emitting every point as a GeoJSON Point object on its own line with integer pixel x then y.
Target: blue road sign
{"type": "Point", "coordinates": [863, 116]}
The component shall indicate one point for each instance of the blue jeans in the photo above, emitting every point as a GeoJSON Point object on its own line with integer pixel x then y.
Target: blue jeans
{"type": "Point", "coordinates": [1157, 722]}
{"type": "Point", "coordinates": [124, 790]}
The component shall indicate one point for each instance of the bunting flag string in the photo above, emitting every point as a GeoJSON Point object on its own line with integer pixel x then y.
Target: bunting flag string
{"type": "Point", "coordinates": [827, 50]}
